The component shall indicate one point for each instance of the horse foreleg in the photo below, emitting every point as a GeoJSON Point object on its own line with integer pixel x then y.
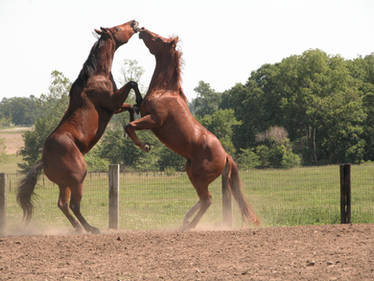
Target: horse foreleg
{"type": "Point", "coordinates": [127, 107]}
{"type": "Point", "coordinates": [118, 97]}
{"type": "Point", "coordinates": [146, 122]}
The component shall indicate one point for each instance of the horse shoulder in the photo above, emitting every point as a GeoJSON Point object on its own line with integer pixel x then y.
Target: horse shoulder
{"type": "Point", "coordinates": [98, 87]}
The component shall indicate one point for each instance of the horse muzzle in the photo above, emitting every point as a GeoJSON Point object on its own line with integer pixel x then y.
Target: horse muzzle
{"type": "Point", "coordinates": [141, 32]}
{"type": "Point", "coordinates": [135, 26]}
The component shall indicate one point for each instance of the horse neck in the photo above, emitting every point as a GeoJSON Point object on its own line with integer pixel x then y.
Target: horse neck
{"type": "Point", "coordinates": [99, 62]}
{"type": "Point", "coordinates": [166, 75]}
{"type": "Point", "coordinates": [104, 54]}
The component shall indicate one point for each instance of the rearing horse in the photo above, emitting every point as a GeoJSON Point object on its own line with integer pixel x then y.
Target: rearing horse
{"type": "Point", "coordinates": [164, 110]}
{"type": "Point", "coordinates": [93, 99]}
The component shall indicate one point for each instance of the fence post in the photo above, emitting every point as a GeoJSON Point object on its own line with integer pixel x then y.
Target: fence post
{"type": "Point", "coordinates": [345, 193]}
{"type": "Point", "coordinates": [2, 201]}
{"type": "Point", "coordinates": [226, 202]}
{"type": "Point", "coordinates": [113, 176]}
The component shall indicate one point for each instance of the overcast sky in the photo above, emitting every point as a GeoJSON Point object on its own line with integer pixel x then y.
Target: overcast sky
{"type": "Point", "coordinates": [221, 41]}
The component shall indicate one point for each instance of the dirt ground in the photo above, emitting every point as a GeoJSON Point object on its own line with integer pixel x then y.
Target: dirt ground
{"type": "Point", "coordinates": [13, 139]}
{"type": "Point", "coordinates": [334, 252]}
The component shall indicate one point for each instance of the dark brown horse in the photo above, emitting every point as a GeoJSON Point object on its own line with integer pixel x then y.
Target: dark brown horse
{"type": "Point", "coordinates": [164, 110]}
{"type": "Point", "coordinates": [94, 99]}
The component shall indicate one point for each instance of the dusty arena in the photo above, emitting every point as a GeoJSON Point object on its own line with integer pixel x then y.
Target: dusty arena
{"type": "Point", "coordinates": [333, 252]}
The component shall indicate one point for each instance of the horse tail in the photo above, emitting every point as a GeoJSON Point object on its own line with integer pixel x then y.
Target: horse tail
{"type": "Point", "coordinates": [231, 173]}
{"type": "Point", "coordinates": [26, 190]}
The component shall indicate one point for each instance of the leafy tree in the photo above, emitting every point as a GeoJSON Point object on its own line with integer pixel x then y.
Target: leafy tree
{"type": "Point", "coordinates": [5, 122]}
{"type": "Point", "coordinates": [221, 123]}
{"type": "Point", "coordinates": [53, 107]}
{"type": "Point", "coordinates": [247, 159]}
{"type": "Point", "coordinates": [170, 159]}
{"type": "Point", "coordinates": [276, 150]}
{"type": "Point", "coordinates": [314, 97]}
{"type": "Point", "coordinates": [118, 149]}
{"type": "Point", "coordinates": [95, 162]}
{"type": "Point", "coordinates": [130, 71]}
{"type": "Point", "coordinates": [207, 100]}
{"type": "Point", "coordinates": [3, 156]}
{"type": "Point", "coordinates": [19, 111]}
{"type": "Point", "coordinates": [362, 70]}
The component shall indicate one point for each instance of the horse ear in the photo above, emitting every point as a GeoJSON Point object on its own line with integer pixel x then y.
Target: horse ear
{"type": "Point", "coordinates": [174, 42]}
{"type": "Point", "coordinates": [102, 31]}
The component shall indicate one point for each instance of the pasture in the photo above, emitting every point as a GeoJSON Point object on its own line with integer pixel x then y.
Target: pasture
{"type": "Point", "coordinates": [155, 201]}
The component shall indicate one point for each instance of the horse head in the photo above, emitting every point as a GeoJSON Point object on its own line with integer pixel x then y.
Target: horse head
{"type": "Point", "coordinates": [156, 43]}
{"type": "Point", "coordinates": [121, 34]}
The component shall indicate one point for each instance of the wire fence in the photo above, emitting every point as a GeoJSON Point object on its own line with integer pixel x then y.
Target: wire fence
{"type": "Point", "coordinates": [156, 200]}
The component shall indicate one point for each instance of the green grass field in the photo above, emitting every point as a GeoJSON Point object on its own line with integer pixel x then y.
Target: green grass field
{"type": "Point", "coordinates": [299, 196]}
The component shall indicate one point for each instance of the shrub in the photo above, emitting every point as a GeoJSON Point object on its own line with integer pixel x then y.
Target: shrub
{"type": "Point", "coordinates": [247, 159]}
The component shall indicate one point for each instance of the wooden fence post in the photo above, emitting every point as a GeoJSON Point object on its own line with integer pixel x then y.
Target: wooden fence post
{"type": "Point", "coordinates": [113, 176]}
{"type": "Point", "coordinates": [2, 201]}
{"type": "Point", "coordinates": [226, 202]}
{"type": "Point", "coordinates": [345, 193]}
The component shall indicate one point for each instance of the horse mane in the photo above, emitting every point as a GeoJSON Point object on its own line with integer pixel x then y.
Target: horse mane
{"type": "Point", "coordinates": [89, 66]}
{"type": "Point", "coordinates": [177, 74]}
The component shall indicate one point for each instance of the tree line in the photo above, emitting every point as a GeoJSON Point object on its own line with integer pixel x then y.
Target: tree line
{"type": "Point", "coordinates": [308, 109]}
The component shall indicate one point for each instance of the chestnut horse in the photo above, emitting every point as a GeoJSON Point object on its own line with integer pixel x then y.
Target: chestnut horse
{"type": "Point", "coordinates": [164, 110]}
{"type": "Point", "coordinates": [93, 99]}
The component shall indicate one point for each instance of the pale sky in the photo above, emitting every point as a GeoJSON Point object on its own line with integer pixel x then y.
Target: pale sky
{"type": "Point", "coordinates": [221, 41]}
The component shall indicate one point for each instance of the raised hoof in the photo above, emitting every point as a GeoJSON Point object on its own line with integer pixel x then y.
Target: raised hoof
{"type": "Point", "coordinates": [147, 147]}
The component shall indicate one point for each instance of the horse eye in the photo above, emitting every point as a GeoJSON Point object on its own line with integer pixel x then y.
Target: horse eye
{"type": "Point", "coordinates": [117, 29]}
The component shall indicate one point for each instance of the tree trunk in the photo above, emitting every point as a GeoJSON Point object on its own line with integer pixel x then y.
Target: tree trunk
{"type": "Point", "coordinates": [314, 145]}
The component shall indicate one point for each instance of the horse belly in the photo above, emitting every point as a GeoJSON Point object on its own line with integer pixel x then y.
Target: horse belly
{"type": "Point", "coordinates": [174, 140]}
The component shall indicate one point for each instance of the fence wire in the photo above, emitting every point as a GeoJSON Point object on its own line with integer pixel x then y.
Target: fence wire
{"type": "Point", "coordinates": [299, 196]}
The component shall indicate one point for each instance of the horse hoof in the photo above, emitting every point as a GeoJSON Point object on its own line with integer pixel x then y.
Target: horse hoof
{"type": "Point", "coordinates": [147, 147]}
{"type": "Point", "coordinates": [184, 228]}
{"type": "Point", "coordinates": [95, 230]}
{"type": "Point", "coordinates": [92, 230]}
{"type": "Point", "coordinates": [78, 230]}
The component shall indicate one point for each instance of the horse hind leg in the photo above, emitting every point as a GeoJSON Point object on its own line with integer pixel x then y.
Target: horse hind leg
{"type": "Point", "coordinates": [63, 205]}
{"type": "Point", "coordinates": [76, 196]}
{"type": "Point", "coordinates": [190, 213]}
{"type": "Point", "coordinates": [200, 207]}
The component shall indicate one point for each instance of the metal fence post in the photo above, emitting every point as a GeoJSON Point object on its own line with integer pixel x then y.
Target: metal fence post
{"type": "Point", "coordinates": [2, 201]}
{"type": "Point", "coordinates": [345, 193]}
{"type": "Point", "coordinates": [113, 176]}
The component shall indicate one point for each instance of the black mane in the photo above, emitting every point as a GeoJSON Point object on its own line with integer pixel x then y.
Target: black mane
{"type": "Point", "coordinates": [89, 66]}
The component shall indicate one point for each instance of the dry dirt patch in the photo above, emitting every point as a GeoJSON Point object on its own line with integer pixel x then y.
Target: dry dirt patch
{"type": "Point", "coordinates": [13, 139]}
{"type": "Point", "coordinates": [332, 252]}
